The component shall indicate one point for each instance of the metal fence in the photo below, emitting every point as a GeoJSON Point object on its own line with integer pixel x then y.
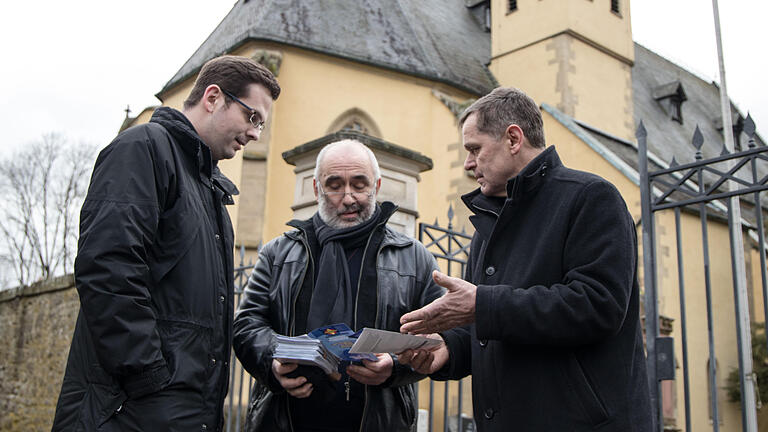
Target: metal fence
{"type": "Point", "coordinates": [698, 189]}
{"type": "Point", "coordinates": [451, 249]}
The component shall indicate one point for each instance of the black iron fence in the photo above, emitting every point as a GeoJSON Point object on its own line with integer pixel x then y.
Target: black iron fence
{"type": "Point", "coordinates": [702, 191]}
{"type": "Point", "coordinates": [451, 249]}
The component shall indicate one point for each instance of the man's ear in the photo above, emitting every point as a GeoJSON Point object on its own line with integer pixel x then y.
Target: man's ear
{"type": "Point", "coordinates": [514, 138]}
{"type": "Point", "coordinates": [211, 94]}
{"type": "Point", "coordinates": [314, 187]}
{"type": "Point", "coordinates": [378, 185]}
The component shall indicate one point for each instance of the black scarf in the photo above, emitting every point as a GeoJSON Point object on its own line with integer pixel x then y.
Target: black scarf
{"type": "Point", "coordinates": [331, 299]}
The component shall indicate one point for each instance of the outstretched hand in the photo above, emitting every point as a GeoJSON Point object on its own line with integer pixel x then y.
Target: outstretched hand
{"type": "Point", "coordinates": [454, 309]}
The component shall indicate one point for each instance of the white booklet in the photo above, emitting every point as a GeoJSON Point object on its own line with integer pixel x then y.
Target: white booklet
{"type": "Point", "coordinates": [383, 341]}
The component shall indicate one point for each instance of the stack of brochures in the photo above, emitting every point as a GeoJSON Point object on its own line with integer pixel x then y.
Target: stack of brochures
{"type": "Point", "coordinates": [328, 347]}
{"type": "Point", "coordinates": [305, 350]}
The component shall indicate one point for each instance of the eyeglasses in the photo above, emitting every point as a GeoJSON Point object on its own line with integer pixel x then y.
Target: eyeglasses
{"type": "Point", "coordinates": [339, 195]}
{"type": "Point", "coordinates": [254, 115]}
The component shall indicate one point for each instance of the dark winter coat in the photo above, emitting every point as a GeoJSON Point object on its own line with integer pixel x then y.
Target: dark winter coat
{"type": "Point", "coordinates": [154, 273]}
{"type": "Point", "coordinates": [276, 302]}
{"type": "Point", "coordinates": [557, 342]}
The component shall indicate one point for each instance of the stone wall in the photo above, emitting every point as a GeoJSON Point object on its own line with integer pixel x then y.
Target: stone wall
{"type": "Point", "coordinates": [36, 325]}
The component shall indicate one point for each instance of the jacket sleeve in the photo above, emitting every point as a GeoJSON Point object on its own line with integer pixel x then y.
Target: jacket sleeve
{"type": "Point", "coordinates": [254, 338]}
{"type": "Point", "coordinates": [590, 304]}
{"type": "Point", "coordinates": [427, 291]}
{"type": "Point", "coordinates": [117, 226]}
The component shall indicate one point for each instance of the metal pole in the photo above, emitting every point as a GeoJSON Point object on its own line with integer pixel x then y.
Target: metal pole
{"type": "Point", "coordinates": [748, 408]}
{"type": "Point", "coordinates": [649, 278]}
{"type": "Point", "coordinates": [683, 320]}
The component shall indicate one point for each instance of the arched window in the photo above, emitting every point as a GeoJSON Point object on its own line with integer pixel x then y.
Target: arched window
{"type": "Point", "coordinates": [357, 120]}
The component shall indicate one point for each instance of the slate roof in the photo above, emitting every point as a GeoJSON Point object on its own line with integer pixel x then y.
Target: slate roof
{"type": "Point", "coordinates": [436, 39]}
{"type": "Point", "coordinates": [667, 138]}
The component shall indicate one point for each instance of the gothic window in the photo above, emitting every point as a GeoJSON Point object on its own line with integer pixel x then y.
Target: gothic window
{"type": "Point", "coordinates": [357, 120]}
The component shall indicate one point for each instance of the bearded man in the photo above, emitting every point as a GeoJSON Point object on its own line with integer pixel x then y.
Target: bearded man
{"type": "Point", "coordinates": [343, 265]}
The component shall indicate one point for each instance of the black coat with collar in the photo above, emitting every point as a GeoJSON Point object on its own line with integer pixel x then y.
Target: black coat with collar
{"type": "Point", "coordinates": [154, 271]}
{"type": "Point", "coordinates": [557, 342]}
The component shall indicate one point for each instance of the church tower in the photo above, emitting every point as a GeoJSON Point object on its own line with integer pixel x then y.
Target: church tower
{"type": "Point", "coordinates": [575, 55]}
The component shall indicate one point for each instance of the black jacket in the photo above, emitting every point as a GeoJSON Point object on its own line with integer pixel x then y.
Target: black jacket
{"type": "Point", "coordinates": [154, 273]}
{"type": "Point", "coordinates": [276, 302]}
{"type": "Point", "coordinates": [557, 342]}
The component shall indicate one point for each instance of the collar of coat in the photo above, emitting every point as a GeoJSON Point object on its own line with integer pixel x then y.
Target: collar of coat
{"type": "Point", "coordinates": [487, 209]}
{"type": "Point", "coordinates": [182, 130]}
{"type": "Point", "coordinates": [525, 183]}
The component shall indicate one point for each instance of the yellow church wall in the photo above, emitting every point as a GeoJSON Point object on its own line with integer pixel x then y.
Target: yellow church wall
{"type": "Point", "coordinates": [578, 155]}
{"type": "Point", "coordinates": [536, 20]}
{"type": "Point", "coordinates": [578, 79]}
{"type": "Point", "coordinates": [144, 116]}
{"type": "Point", "coordinates": [756, 301]}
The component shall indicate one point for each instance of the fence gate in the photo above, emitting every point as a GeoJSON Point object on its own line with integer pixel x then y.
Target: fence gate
{"type": "Point", "coordinates": [451, 250]}
{"type": "Point", "coordinates": [696, 199]}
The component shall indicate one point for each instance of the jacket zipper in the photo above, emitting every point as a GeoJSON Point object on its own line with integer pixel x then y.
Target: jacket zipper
{"type": "Point", "coordinates": [376, 318]}
{"type": "Point", "coordinates": [292, 327]}
{"type": "Point", "coordinates": [486, 210]}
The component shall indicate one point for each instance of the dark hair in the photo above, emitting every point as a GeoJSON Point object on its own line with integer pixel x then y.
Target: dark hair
{"type": "Point", "coordinates": [233, 74]}
{"type": "Point", "coordinates": [505, 106]}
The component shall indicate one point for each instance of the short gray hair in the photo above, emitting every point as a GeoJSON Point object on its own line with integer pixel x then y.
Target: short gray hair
{"type": "Point", "coordinates": [371, 156]}
{"type": "Point", "coordinates": [505, 106]}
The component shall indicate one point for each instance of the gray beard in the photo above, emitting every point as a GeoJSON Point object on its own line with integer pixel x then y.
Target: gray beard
{"type": "Point", "coordinates": [330, 215]}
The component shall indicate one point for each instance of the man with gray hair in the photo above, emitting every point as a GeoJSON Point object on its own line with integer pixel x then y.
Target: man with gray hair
{"type": "Point", "coordinates": [549, 301]}
{"type": "Point", "coordinates": [343, 265]}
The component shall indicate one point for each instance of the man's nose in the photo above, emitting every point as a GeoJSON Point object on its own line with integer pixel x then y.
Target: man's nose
{"type": "Point", "coordinates": [348, 199]}
{"type": "Point", "coordinates": [469, 163]}
{"type": "Point", "coordinates": [253, 133]}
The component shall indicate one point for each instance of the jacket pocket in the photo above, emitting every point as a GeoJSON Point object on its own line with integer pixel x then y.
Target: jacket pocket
{"type": "Point", "coordinates": [103, 399]}
{"type": "Point", "coordinates": [585, 392]}
{"type": "Point", "coordinates": [186, 348]}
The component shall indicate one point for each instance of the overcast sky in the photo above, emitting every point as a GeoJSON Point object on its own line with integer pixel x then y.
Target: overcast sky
{"type": "Point", "coordinates": [73, 66]}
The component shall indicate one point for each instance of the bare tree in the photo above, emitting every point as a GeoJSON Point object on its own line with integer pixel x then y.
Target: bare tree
{"type": "Point", "coordinates": [41, 190]}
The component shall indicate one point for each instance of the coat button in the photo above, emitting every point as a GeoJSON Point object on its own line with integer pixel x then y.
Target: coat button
{"type": "Point", "coordinates": [217, 236]}
{"type": "Point", "coordinates": [213, 362]}
{"type": "Point", "coordinates": [484, 342]}
{"type": "Point", "coordinates": [204, 427]}
{"type": "Point", "coordinates": [490, 270]}
{"type": "Point", "coordinates": [221, 299]}
{"type": "Point", "coordinates": [489, 413]}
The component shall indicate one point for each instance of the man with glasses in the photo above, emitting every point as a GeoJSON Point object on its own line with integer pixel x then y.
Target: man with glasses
{"type": "Point", "coordinates": [343, 265]}
{"type": "Point", "coordinates": [154, 268]}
